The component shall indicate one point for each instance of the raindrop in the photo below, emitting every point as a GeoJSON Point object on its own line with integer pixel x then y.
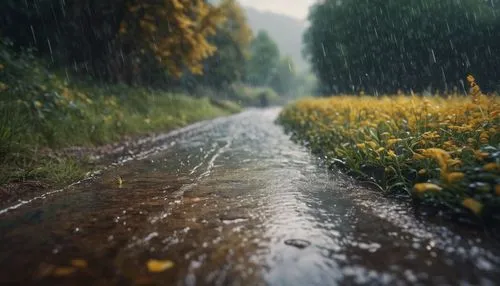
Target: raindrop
{"type": "Point", "coordinates": [33, 34]}
{"type": "Point", "coordinates": [50, 49]}
{"type": "Point", "coordinates": [433, 55]}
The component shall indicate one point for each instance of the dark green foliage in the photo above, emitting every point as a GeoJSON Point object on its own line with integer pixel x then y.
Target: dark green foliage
{"type": "Point", "coordinates": [77, 33]}
{"type": "Point", "coordinates": [264, 59]}
{"type": "Point", "coordinates": [382, 46]}
{"type": "Point", "coordinates": [266, 68]}
{"type": "Point", "coordinates": [284, 76]}
{"type": "Point", "coordinates": [286, 32]}
{"type": "Point", "coordinates": [226, 66]}
{"type": "Point", "coordinates": [41, 110]}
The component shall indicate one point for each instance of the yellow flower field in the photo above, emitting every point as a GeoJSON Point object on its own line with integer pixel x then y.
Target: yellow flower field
{"type": "Point", "coordinates": [442, 150]}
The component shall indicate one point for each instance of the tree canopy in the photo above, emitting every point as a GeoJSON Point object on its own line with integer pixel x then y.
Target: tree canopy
{"type": "Point", "coordinates": [232, 39]}
{"type": "Point", "coordinates": [264, 59]}
{"type": "Point", "coordinates": [117, 39]}
{"type": "Point", "coordinates": [383, 46]}
{"type": "Point", "coordinates": [171, 44]}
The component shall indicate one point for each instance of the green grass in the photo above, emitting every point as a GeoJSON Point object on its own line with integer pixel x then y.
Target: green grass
{"type": "Point", "coordinates": [41, 111]}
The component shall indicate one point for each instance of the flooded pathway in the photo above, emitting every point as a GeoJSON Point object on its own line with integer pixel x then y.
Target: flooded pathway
{"type": "Point", "coordinates": [233, 202]}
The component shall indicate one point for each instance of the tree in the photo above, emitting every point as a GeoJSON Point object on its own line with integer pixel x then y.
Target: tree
{"type": "Point", "coordinates": [71, 32]}
{"type": "Point", "coordinates": [232, 39]}
{"type": "Point", "coordinates": [284, 76]}
{"type": "Point", "coordinates": [264, 60]}
{"type": "Point", "coordinates": [174, 31]}
{"type": "Point", "coordinates": [130, 40]}
{"type": "Point", "coordinates": [382, 46]}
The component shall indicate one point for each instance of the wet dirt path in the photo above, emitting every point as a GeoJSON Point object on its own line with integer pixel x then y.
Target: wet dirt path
{"type": "Point", "coordinates": [234, 202]}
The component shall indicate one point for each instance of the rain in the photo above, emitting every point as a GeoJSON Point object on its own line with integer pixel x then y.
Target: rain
{"type": "Point", "coordinates": [249, 142]}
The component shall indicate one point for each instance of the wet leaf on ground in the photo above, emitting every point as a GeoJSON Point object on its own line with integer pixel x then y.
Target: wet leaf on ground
{"type": "Point", "coordinates": [79, 263]}
{"type": "Point", "coordinates": [156, 266]}
{"type": "Point", "coordinates": [45, 270]}
{"type": "Point", "coordinates": [63, 271]}
{"type": "Point", "coordinates": [119, 181]}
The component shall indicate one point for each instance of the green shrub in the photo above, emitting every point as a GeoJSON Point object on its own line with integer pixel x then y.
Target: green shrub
{"type": "Point", "coordinates": [40, 109]}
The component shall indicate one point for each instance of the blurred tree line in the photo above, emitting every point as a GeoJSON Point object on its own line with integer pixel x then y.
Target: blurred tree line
{"type": "Point", "coordinates": [167, 44]}
{"type": "Point", "coordinates": [385, 45]}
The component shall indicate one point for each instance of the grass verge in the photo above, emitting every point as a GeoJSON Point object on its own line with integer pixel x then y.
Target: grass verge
{"type": "Point", "coordinates": [441, 151]}
{"type": "Point", "coordinates": [41, 111]}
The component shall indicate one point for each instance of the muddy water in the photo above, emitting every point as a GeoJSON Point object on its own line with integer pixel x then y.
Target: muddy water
{"type": "Point", "coordinates": [234, 202]}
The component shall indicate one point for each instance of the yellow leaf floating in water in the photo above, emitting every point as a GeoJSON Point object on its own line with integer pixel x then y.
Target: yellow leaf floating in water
{"type": "Point", "coordinates": [119, 181]}
{"type": "Point", "coordinates": [63, 271]}
{"type": "Point", "coordinates": [79, 263]}
{"type": "Point", "coordinates": [473, 205]}
{"type": "Point", "coordinates": [159, 265]}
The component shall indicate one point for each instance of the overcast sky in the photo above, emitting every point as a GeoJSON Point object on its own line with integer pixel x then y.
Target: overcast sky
{"type": "Point", "coordinates": [298, 9]}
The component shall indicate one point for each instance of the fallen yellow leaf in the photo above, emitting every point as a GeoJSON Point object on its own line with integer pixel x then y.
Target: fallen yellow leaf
{"type": "Point", "coordinates": [63, 271]}
{"type": "Point", "coordinates": [159, 265]}
{"type": "Point", "coordinates": [79, 263]}
{"type": "Point", "coordinates": [119, 181]}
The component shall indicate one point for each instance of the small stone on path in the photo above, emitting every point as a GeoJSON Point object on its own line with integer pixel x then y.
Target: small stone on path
{"type": "Point", "coordinates": [299, 243]}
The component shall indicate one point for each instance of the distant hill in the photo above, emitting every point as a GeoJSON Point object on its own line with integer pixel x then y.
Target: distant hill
{"type": "Point", "coordinates": [286, 31]}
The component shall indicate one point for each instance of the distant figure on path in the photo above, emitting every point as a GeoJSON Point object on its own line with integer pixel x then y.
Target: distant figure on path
{"type": "Point", "coordinates": [264, 102]}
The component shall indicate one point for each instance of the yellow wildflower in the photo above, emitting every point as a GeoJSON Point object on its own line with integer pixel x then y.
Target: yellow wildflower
{"type": "Point", "coordinates": [391, 142]}
{"type": "Point", "coordinates": [417, 156]}
{"type": "Point", "coordinates": [473, 205]}
{"type": "Point", "coordinates": [391, 153]}
{"type": "Point", "coordinates": [454, 162]}
{"type": "Point", "coordinates": [372, 144]}
{"type": "Point", "coordinates": [491, 167]}
{"type": "Point", "coordinates": [470, 78]}
{"type": "Point", "coordinates": [440, 155]}
{"type": "Point", "coordinates": [484, 138]}
{"type": "Point", "coordinates": [426, 187]}
{"type": "Point", "coordinates": [361, 145]}
{"type": "Point", "coordinates": [480, 155]}
{"type": "Point", "coordinates": [454, 177]}
{"type": "Point", "coordinates": [431, 135]}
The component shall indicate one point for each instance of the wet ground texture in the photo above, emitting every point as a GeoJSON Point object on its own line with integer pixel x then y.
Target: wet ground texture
{"type": "Point", "coordinates": [233, 202]}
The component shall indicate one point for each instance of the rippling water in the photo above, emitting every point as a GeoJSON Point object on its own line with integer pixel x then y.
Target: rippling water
{"type": "Point", "coordinates": [234, 202]}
